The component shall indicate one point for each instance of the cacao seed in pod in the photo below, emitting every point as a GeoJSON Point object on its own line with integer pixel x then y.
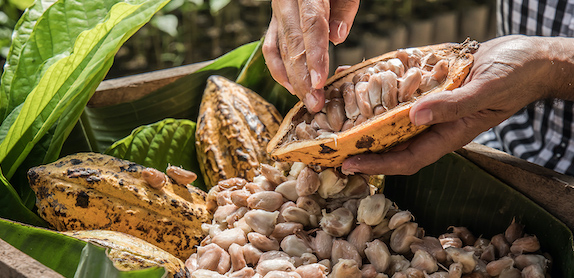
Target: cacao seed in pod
{"type": "Point", "coordinates": [131, 253]}
{"type": "Point", "coordinates": [91, 191]}
{"type": "Point", "coordinates": [428, 69]}
{"type": "Point", "coordinates": [234, 127]}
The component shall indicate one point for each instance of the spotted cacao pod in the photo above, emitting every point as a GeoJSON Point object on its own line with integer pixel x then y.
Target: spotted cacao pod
{"type": "Point", "coordinates": [234, 127]}
{"type": "Point", "coordinates": [91, 191]}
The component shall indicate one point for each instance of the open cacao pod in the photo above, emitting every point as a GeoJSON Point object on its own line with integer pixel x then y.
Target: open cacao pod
{"type": "Point", "coordinates": [367, 105]}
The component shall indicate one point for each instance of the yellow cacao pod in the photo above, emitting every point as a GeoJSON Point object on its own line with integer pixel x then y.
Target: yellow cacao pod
{"type": "Point", "coordinates": [131, 253]}
{"type": "Point", "coordinates": [234, 127]}
{"type": "Point", "coordinates": [383, 128]}
{"type": "Point", "coordinates": [91, 191]}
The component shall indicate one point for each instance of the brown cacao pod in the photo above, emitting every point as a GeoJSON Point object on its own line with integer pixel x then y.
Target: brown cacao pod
{"type": "Point", "coordinates": [91, 191]}
{"type": "Point", "coordinates": [131, 253]}
{"type": "Point", "coordinates": [379, 132]}
{"type": "Point", "coordinates": [234, 127]}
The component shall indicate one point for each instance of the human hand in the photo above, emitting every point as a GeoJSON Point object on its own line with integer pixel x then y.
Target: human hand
{"type": "Point", "coordinates": [508, 73]}
{"type": "Point", "coordinates": [297, 42]}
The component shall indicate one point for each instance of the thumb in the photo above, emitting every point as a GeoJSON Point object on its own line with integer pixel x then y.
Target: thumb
{"type": "Point", "coordinates": [447, 106]}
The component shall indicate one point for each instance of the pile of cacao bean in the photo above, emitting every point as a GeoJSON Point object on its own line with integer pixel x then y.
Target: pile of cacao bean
{"type": "Point", "coordinates": [295, 221]}
{"type": "Point", "coordinates": [374, 91]}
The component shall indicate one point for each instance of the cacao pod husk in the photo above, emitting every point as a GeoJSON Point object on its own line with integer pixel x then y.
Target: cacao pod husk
{"type": "Point", "coordinates": [91, 191]}
{"type": "Point", "coordinates": [378, 134]}
{"type": "Point", "coordinates": [234, 127]}
{"type": "Point", "coordinates": [131, 253]}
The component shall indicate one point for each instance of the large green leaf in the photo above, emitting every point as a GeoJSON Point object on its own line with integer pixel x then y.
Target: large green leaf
{"type": "Point", "coordinates": [66, 255]}
{"type": "Point", "coordinates": [168, 142]}
{"type": "Point", "coordinates": [180, 100]}
{"type": "Point", "coordinates": [455, 192]}
{"type": "Point", "coordinates": [54, 69]}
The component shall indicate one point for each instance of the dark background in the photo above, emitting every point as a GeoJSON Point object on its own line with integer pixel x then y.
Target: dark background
{"type": "Point", "coordinates": [190, 31]}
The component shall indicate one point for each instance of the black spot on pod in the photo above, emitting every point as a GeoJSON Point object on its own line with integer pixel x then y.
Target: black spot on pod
{"type": "Point", "coordinates": [82, 200]}
{"type": "Point", "coordinates": [33, 175]}
{"type": "Point", "coordinates": [365, 142]}
{"type": "Point", "coordinates": [326, 149]}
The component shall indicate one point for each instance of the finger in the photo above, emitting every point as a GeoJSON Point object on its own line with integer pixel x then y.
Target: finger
{"type": "Point", "coordinates": [343, 13]}
{"type": "Point", "coordinates": [272, 57]}
{"type": "Point", "coordinates": [421, 151]}
{"type": "Point", "coordinates": [293, 53]}
{"type": "Point", "coordinates": [315, 27]}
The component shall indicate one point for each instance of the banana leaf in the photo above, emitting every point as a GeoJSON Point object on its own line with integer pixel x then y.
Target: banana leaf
{"type": "Point", "coordinates": [66, 255]}
{"type": "Point", "coordinates": [455, 192]}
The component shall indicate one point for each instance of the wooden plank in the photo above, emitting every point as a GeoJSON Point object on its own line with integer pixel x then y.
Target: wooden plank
{"type": "Point", "coordinates": [15, 263]}
{"type": "Point", "coordinates": [551, 190]}
{"type": "Point", "coordinates": [130, 88]}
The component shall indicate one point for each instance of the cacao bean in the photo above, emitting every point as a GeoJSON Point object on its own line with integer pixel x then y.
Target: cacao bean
{"type": "Point", "coordinates": [180, 175]}
{"type": "Point", "coordinates": [308, 182]}
{"type": "Point", "coordinates": [336, 114]}
{"type": "Point", "coordinates": [409, 84]}
{"type": "Point", "coordinates": [351, 108]}
{"type": "Point", "coordinates": [363, 102]}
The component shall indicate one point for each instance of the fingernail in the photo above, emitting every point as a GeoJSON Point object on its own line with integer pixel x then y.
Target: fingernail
{"type": "Point", "coordinates": [348, 172]}
{"type": "Point", "coordinates": [289, 88]}
{"type": "Point", "coordinates": [423, 117]}
{"type": "Point", "coordinates": [310, 101]}
{"type": "Point", "coordinates": [339, 28]}
{"type": "Point", "coordinates": [315, 78]}
{"type": "Point", "coordinates": [342, 30]}
{"type": "Point", "coordinates": [349, 168]}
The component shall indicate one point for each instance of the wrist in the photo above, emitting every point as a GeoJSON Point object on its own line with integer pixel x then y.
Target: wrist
{"type": "Point", "coordinates": [560, 67]}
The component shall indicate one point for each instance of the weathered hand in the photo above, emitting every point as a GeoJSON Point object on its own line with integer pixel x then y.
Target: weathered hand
{"type": "Point", "coordinates": [508, 73]}
{"type": "Point", "coordinates": [297, 42]}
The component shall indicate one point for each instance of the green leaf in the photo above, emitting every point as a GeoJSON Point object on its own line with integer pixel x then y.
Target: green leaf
{"type": "Point", "coordinates": [56, 251]}
{"type": "Point", "coordinates": [21, 4]}
{"type": "Point", "coordinates": [168, 142]}
{"type": "Point", "coordinates": [216, 5]}
{"type": "Point", "coordinates": [11, 206]}
{"type": "Point", "coordinates": [66, 61]}
{"type": "Point", "coordinates": [64, 254]}
{"type": "Point", "coordinates": [456, 192]}
{"type": "Point", "coordinates": [166, 23]}
{"type": "Point", "coordinates": [180, 100]}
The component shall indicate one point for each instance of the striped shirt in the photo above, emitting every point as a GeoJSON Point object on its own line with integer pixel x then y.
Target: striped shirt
{"type": "Point", "coordinates": [542, 132]}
